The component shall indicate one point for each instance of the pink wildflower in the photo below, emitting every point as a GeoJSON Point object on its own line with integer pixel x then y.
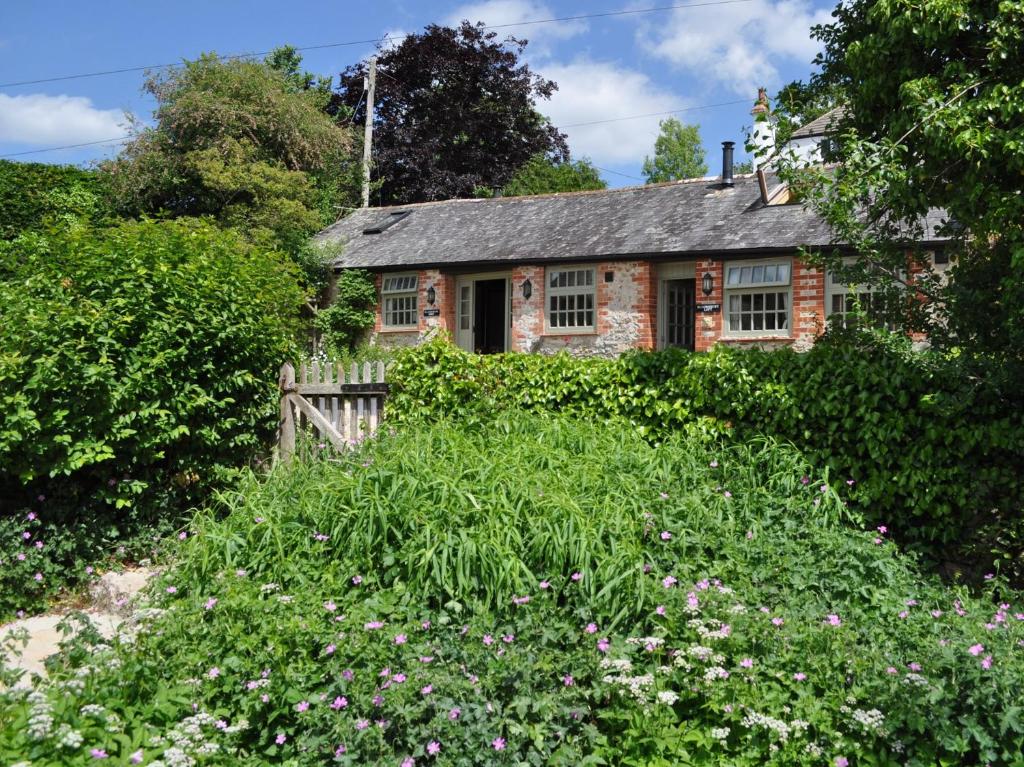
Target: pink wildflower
{"type": "Point", "coordinates": [401, 639]}
{"type": "Point", "coordinates": [427, 690]}
{"type": "Point", "coordinates": [986, 662]}
{"type": "Point", "coordinates": [302, 706]}
{"type": "Point", "coordinates": [777, 621]}
{"type": "Point", "coordinates": [660, 610]}
{"type": "Point", "coordinates": [280, 739]}
{"type": "Point", "coordinates": [454, 713]}
{"type": "Point", "coordinates": [433, 748]}
{"type": "Point", "coordinates": [668, 581]}
{"type": "Point", "coordinates": [747, 663]}
{"type": "Point", "coordinates": [545, 585]}
{"type": "Point", "coordinates": [498, 744]}
{"type": "Point", "coordinates": [799, 676]}
{"type": "Point", "coordinates": [666, 535]}
{"type": "Point", "coordinates": [329, 650]}
{"type": "Point", "coordinates": [575, 577]}
{"type": "Point", "coordinates": [603, 645]}
{"type": "Point", "coordinates": [98, 753]}
{"type": "Point", "coordinates": [591, 628]}
{"type": "Point", "coordinates": [356, 580]}
{"type": "Point", "coordinates": [210, 603]}
{"type": "Point", "coordinates": [842, 761]}
{"type": "Point", "coordinates": [488, 640]}
{"type": "Point", "coordinates": [339, 703]}
{"type": "Point", "coordinates": [833, 620]}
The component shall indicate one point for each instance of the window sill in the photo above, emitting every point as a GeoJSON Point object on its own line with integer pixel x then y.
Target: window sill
{"type": "Point", "coordinates": [567, 332]}
{"type": "Point", "coordinates": [410, 329]}
{"type": "Point", "coordinates": [744, 339]}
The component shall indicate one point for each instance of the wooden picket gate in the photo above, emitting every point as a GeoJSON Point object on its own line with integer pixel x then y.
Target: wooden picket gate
{"type": "Point", "coordinates": [341, 410]}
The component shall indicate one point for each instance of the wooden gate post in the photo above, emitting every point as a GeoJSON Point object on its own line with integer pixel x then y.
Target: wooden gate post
{"type": "Point", "coordinates": [286, 439]}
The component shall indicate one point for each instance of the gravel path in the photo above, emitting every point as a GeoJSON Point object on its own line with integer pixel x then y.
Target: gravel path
{"type": "Point", "coordinates": [109, 604]}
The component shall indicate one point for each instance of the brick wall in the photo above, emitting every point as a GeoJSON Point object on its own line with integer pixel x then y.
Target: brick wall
{"type": "Point", "coordinates": [626, 311]}
{"type": "Point", "coordinates": [624, 318]}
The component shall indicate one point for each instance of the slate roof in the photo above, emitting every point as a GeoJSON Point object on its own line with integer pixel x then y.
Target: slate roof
{"type": "Point", "coordinates": [683, 218]}
{"type": "Point", "coordinates": [820, 126]}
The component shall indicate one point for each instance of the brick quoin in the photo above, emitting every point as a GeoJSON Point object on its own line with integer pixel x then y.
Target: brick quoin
{"type": "Point", "coordinates": [626, 309]}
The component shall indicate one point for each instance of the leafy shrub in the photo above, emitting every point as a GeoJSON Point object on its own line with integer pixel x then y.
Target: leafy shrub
{"type": "Point", "coordinates": [33, 194]}
{"type": "Point", "coordinates": [933, 453]}
{"type": "Point", "coordinates": [137, 365]}
{"type": "Point", "coordinates": [351, 312]}
{"type": "Point", "coordinates": [575, 594]}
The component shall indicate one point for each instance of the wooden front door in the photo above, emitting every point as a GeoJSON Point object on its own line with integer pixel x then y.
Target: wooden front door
{"type": "Point", "coordinates": [680, 313]}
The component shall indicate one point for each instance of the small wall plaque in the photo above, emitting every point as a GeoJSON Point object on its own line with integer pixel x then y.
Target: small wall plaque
{"type": "Point", "coordinates": [431, 312]}
{"type": "Point", "coordinates": [709, 308]}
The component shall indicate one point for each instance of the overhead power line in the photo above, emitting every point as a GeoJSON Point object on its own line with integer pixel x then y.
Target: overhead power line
{"type": "Point", "coordinates": [528, 22]}
{"type": "Point", "coordinates": [558, 127]}
{"type": "Point", "coordinates": [66, 146]}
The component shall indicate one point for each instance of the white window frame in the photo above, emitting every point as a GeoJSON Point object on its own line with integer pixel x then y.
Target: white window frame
{"type": "Point", "coordinates": [861, 291]}
{"type": "Point", "coordinates": [395, 290]}
{"type": "Point", "coordinates": [572, 294]}
{"type": "Point", "coordinates": [763, 288]}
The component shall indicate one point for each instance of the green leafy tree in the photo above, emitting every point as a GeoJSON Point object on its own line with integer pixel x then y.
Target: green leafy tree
{"type": "Point", "coordinates": [678, 153]}
{"type": "Point", "coordinates": [454, 111]}
{"type": "Point", "coordinates": [244, 142]}
{"type": "Point", "coordinates": [542, 175]}
{"type": "Point", "coordinates": [933, 121]}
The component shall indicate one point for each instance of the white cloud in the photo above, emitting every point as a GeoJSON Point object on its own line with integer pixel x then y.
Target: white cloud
{"type": "Point", "coordinates": [741, 46]}
{"type": "Point", "coordinates": [499, 13]}
{"type": "Point", "coordinates": [591, 91]}
{"type": "Point", "coordinates": [38, 119]}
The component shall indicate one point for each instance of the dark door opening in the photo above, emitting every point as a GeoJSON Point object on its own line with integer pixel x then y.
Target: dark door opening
{"type": "Point", "coordinates": [680, 313]}
{"type": "Point", "coordinates": [489, 320]}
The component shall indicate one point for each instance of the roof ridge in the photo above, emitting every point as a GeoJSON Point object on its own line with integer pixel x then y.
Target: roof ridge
{"type": "Point", "coordinates": [549, 195]}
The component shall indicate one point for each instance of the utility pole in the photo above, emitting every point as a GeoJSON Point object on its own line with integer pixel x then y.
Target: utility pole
{"type": "Point", "coordinates": [368, 85]}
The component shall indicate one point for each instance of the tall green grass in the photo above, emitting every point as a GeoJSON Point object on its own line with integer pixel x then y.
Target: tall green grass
{"type": "Point", "coordinates": [481, 515]}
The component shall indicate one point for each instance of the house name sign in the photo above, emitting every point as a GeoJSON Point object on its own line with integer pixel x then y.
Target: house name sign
{"type": "Point", "coordinates": [431, 312]}
{"type": "Point", "coordinates": [709, 308]}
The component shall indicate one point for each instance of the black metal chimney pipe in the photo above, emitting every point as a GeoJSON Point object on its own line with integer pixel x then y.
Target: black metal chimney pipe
{"type": "Point", "coordinates": [727, 162]}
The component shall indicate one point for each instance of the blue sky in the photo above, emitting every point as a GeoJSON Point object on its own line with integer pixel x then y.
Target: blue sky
{"type": "Point", "coordinates": [607, 68]}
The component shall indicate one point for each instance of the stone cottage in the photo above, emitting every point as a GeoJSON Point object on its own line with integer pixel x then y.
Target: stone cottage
{"type": "Point", "coordinates": [689, 264]}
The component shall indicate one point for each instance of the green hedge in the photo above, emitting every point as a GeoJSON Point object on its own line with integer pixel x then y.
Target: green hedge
{"type": "Point", "coordinates": [32, 194]}
{"type": "Point", "coordinates": [137, 363]}
{"type": "Point", "coordinates": [917, 445]}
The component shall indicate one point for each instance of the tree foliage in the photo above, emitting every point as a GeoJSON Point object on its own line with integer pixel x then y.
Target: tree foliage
{"type": "Point", "coordinates": [137, 362]}
{"type": "Point", "coordinates": [542, 175]}
{"type": "Point", "coordinates": [454, 111]}
{"type": "Point", "coordinates": [678, 153]}
{"type": "Point", "coordinates": [247, 143]}
{"type": "Point", "coordinates": [34, 195]}
{"type": "Point", "coordinates": [935, 119]}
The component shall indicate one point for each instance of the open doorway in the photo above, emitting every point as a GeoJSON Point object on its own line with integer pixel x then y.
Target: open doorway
{"type": "Point", "coordinates": [489, 321]}
{"type": "Point", "coordinates": [483, 314]}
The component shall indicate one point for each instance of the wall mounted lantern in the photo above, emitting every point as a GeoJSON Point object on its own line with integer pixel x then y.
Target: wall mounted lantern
{"type": "Point", "coordinates": [707, 283]}
{"type": "Point", "coordinates": [527, 287]}
{"type": "Point", "coordinates": [431, 295]}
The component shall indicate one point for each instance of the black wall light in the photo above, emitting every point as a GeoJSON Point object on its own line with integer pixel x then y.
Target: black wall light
{"type": "Point", "coordinates": [527, 288]}
{"type": "Point", "coordinates": [707, 283]}
{"type": "Point", "coordinates": [431, 295]}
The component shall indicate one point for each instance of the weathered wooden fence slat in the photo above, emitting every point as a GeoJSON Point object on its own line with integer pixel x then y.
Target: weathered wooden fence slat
{"type": "Point", "coordinates": [342, 412]}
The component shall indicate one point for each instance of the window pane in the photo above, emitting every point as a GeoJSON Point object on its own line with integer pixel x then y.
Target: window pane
{"type": "Point", "coordinates": [781, 300]}
{"type": "Point", "coordinates": [769, 301]}
{"type": "Point", "coordinates": [758, 321]}
{"type": "Point", "coordinates": [783, 321]}
{"type": "Point", "coordinates": [745, 321]}
{"type": "Point", "coordinates": [734, 275]}
{"type": "Point", "coordinates": [758, 302]}
{"type": "Point", "coordinates": [783, 272]}
{"type": "Point", "coordinates": [745, 302]}
{"type": "Point", "coordinates": [745, 275]}
{"type": "Point", "coordinates": [734, 322]}
{"type": "Point", "coordinates": [769, 322]}
{"type": "Point", "coordinates": [757, 275]}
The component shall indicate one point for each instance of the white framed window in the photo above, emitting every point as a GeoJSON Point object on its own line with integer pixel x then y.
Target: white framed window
{"type": "Point", "coordinates": [758, 298]}
{"type": "Point", "coordinates": [843, 302]}
{"type": "Point", "coordinates": [571, 297]}
{"type": "Point", "coordinates": [398, 292]}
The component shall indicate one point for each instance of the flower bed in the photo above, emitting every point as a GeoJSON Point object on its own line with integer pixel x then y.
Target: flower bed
{"type": "Point", "coordinates": [539, 592]}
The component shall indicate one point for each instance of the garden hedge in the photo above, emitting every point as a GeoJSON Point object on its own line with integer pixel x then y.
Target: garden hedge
{"type": "Point", "coordinates": [919, 445]}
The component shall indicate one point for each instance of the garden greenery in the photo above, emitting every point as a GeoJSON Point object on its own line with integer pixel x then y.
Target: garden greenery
{"type": "Point", "coordinates": [33, 195]}
{"type": "Point", "coordinates": [538, 591]}
{"type": "Point", "coordinates": [137, 366]}
{"type": "Point", "coordinates": [932, 454]}
{"type": "Point", "coordinates": [350, 313]}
